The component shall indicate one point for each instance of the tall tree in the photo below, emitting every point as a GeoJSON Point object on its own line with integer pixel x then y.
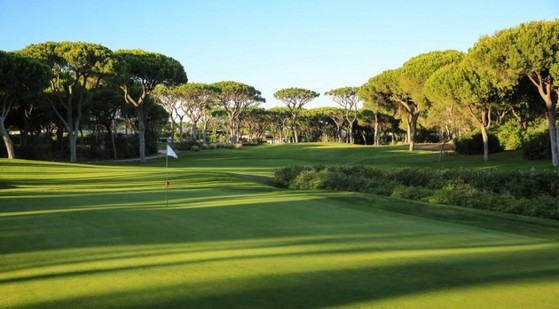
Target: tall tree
{"type": "Point", "coordinates": [143, 71]}
{"type": "Point", "coordinates": [278, 117]}
{"type": "Point", "coordinates": [195, 99]}
{"type": "Point", "coordinates": [105, 105]}
{"type": "Point", "coordinates": [376, 98]}
{"type": "Point", "coordinates": [19, 76]}
{"type": "Point", "coordinates": [468, 89]}
{"type": "Point", "coordinates": [384, 91]}
{"type": "Point", "coordinates": [529, 50]}
{"type": "Point", "coordinates": [413, 75]}
{"type": "Point", "coordinates": [338, 118]}
{"type": "Point", "coordinates": [235, 98]}
{"type": "Point", "coordinates": [169, 100]}
{"type": "Point", "coordinates": [347, 98]}
{"type": "Point", "coordinates": [77, 68]}
{"type": "Point", "coordinates": [256, 122]}
{"type": "Point", "coordinates": [295, 99]}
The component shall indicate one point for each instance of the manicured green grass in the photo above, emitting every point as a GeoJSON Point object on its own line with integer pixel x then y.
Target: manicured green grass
{"type": "Point", "coordinates": [101, 235]}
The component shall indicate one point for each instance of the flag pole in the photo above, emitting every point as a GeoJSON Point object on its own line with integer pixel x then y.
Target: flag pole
{"type": "Point", "coordinates": [167, 179]}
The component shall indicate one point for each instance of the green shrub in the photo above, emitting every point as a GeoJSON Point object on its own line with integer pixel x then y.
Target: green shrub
{"type": "Point", "coordinates": [473, 145]}
{"type": "Point", "coordinates": [410, 192]}
{"type": "Point", "coordinates": [531, 193]}
{"type": "Point", "coordinates": [410, 176]}
{"type": "Point", "coordinates": [510, 134]}
{"type": "Point", "coordinates": [537, 147]}
{"type": "Point", "coordinates": [283, 177]}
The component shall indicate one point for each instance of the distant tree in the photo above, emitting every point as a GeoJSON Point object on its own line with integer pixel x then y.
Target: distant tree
{"type": "Point", "coordinates": [469, 89]}
{"type": "Point", "coordinates": [376, 99]}
{"type": "Point", "coordinates": [19, 77]}
{"type": "Point", "coordinates": [105, 105]}
{"type": "Point", "coordinates": [255, 121]}
{"type": "Point", "coordinates": [327, 130]}
{"type": "Point", "coordinates": [278, 117]}
{"type": "Point", "coordinates": [414, 74]}
{"type": "Point", "coordinates": [444, 115]}
{"type": "Point", "coordinates": [167, 97]}
{"type": "Point", "coordinates": [195, 99]}
{"type": "Point", "coordinates": [338, 118]}
{"type": "Point", "coordinates": [142, 71]}
{"type": "Point", "coordinates": [520, 103]}
{"type": "Point", "coordinates": [529, 50]}
{"type": "Point", "coordinates": [383, 92]}
{"type": "Point", "coordinates": [367, 119]}
{"type": "Point", "coordinates": [77, 68]}
{"type": "Point", "coordinates": [295, 99]}
{"type": "Point", "coordinates": [348, 99]}
{"type": "Point", "coordinates": [235, 98]}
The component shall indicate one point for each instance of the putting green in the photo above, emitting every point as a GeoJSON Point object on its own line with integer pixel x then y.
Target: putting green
{"type": "Point", "coordinates": [102, 235]}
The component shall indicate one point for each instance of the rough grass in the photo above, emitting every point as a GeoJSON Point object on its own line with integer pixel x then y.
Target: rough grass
{"type": "Point", "coordinates": [101, 235]}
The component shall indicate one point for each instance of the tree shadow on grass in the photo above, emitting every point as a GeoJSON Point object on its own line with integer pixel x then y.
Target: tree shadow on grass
{"type": "Point", "coordinates": [340, 286]}
{"type": "Point", "coordinates": [486, 219]}
{"type": "Point", "coordinates": [228, 215]}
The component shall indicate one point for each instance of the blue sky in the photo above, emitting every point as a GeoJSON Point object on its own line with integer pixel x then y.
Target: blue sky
{"type": "Point", "coordinates": [313, 44]}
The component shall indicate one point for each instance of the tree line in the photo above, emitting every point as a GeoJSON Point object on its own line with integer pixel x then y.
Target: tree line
{"type": "Point", "coordinates": [507, 81]}
{"type": "Point", "coordinates": [511, 74]}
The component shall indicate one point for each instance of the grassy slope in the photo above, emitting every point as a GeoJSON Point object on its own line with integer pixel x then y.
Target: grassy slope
{"type": "Point", "coordinates": [102, 236]}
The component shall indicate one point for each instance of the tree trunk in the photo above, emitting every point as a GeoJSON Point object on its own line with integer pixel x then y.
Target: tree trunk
{"type": "Point", "coordinates": [7, 140]}
{"type": "Point", "coordinates": [205, 132]}
{"type": "Point", "coordinates": [194, 131]}
{"type": "Point", "coordinates": [73, 138]}
{"type": "Point", "coordinates": [412, 130]}
{"type": "Point", "coordinates": [142, 134]}
{"type": "Point", "coordinates": [234, 131]}
{"type": "Point", "coordinates": [364, 137]}
{"type": "Point", "coordinates": [485, 139]}
{"type": "Point", "coordinates": [551, 119]}
{"type": "Point", "coordinates": [172, 132]}
{"type": "Point", "coordinates": [294, 129]}
{"type": "Point", "coordinates": [350, 132]}
{"type": "Point", "coordinates": [113, 144]}
{"type": "Point", "coordinates": [180, 129]}
{"type": "Point", "coordinates": [376, 137]}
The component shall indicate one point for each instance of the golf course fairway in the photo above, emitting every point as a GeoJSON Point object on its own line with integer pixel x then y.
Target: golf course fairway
{"type": "Point", "coordinates": [109, 235]}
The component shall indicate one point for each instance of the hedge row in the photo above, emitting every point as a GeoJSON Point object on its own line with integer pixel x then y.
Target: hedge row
{"type": "Point", "coordinates": [532, 193]}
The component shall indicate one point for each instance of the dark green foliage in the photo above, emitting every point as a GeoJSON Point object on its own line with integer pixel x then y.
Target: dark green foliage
{"type": "Point", "coordinates": [531, 193]}
{"type": "Point", "coordinates": [424, 135]}
{"type": "Point", "coordinates": [283, 177]}
{"type": "Point", "coordinates": [537, 147]}
{"type": "Point", "coordinates": [410, 192]}
{"type": "Point", "coordinates": [188, 145]}
{"type": "Point", "coordinates": [473, 145]}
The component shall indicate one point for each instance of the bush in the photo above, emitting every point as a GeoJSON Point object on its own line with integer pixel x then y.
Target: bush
{"type": "Point", "coordinates": [510, 134]}
{"type": "Point", "coordinates": [537, 147]}
{"type": "Point", "coordinates": [410, 192]}
{"type": "Point", "coordinates": [283, 177]}
{"type": "Point", "coordinates": [187, 145]}
{"type": "Point", "coordinates": [195, 148]}
{"type": "Point", "coordinates": [473, 145]}
{"type": "Point", "coordinates": [531, 193]}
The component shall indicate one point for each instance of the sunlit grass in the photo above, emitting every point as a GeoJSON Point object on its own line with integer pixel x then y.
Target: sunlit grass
{"type": "Point", "coordinates": [103, 235]}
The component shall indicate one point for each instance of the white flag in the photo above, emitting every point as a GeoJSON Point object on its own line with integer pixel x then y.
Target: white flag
{"type": "Point", "coordinates": [171, 153]}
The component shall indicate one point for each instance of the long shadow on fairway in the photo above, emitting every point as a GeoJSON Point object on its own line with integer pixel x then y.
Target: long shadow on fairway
{"type": "Point", "coordinates": [344, 285]}
{"type": "Point", "coordinates": [377, 259]}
